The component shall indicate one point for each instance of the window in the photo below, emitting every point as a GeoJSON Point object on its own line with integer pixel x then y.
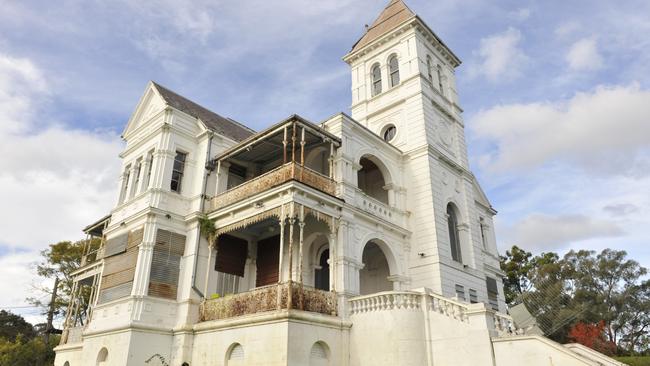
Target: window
{"type": "Point", "coordinates": [177, 172]}
{"type": "Point", "coordinates": [460, 292]}
{"type": "Point", "coordinates": [493, 293]}
{"type": "Point", "coordinates": [149, 170]}
{"type": "Point", "coordinates": [322, 274]}
{"type": "Point", "coordinates": [102, 356]}
{"type": "Point", "coordinates": [125, 183]}
{"type": "Point", "coordinates": [393, 70]}
{"type": "Point", "coordinates": [236, 176]}
{"type": "Point", "coordinates": [376, 80]}
{"type": "Point", "coordinates": [136, 178]}
{"type": "Point", "coordinates": [429, 70]}
{"type": "Point", "coordinates": [440, 80]}
{"type": "Point", "coordinates": [473, 297]}
{"type": "Point", "coordinates": [483, 236]}
{"type": "Point", "coordinates": [452, 223]}
{"type": "Point", "coordinates": [389, 133]}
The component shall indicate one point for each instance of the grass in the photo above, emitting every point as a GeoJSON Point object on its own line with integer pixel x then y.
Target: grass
{"type": "Point", "coordinates": [635, 360]}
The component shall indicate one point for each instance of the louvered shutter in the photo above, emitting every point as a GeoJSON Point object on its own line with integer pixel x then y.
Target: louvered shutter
{"type": "Point", "coordinates": [231, 255]}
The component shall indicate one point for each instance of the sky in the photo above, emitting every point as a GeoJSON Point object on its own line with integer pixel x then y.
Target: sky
{"type": "Point", "coordinates": [556, 99]}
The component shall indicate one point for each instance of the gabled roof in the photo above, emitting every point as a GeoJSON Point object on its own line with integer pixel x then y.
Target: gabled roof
{"type": "Point", "coordinates": [395, 13]}
{"type": "Point", "coordinates": [221, 125]}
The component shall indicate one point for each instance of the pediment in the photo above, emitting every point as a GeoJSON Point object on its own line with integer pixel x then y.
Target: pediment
{"type": "Point", "coordinates": [149, 105]}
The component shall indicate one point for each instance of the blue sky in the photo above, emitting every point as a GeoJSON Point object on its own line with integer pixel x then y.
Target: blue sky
{"type": "Point", "coordinates": [556, 98]}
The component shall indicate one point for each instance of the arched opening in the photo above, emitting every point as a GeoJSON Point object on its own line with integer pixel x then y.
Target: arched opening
{"type": "Point", "coordinates": [393, 70]}
{"type": "Point", "coordinates": [376, 80]}
{"type": "Point", "coordinates": [66, 363]}
{"type": "Point", "coordinates": [235, 355]}
{"type": "Point", "coordinates": [322, 271]}
{"type": "Point", "coordinates": [102, 357]}
{"type": "Point", "coordinates": [373, 277]}
{"type": "Point", "coordinates": [429, 70]}
{"type": "Point", "coordinates": [454, 235]}
{"type": "Point", "coordinates": [319, 354]}
{"type": "Point", "coordinates": [371, 180]}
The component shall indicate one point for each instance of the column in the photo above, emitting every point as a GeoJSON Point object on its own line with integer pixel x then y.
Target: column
{"type": "Point", "coordinates": [280, 260]}
{"type": "Point", "coordinates": [292, 221]}
{"type": "Point", "coordinates": [145, 256]}
{"type": "Point", "coordinates": [301, 226]}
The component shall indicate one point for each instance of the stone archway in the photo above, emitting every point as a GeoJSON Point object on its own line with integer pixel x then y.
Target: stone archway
{"type": "Point", "coordinates": [373, 277]}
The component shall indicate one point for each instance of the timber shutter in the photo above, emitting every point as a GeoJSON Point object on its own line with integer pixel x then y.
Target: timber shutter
{"type": "Point", "coordinates": [231, 255]}
{"type": "Point", "coordinates": [116, 245]}
{"type": "Point", "coordinates": [268, 255]}
{"type": "Point", "coordinates": [165, 264]}
{"type": "Point", "coordinates": [119, 267]}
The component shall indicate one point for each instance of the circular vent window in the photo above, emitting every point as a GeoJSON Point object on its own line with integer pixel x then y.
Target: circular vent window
{"type": "Point", "coordinates": [389, 133]}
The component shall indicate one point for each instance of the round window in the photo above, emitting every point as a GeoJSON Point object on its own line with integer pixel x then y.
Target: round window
{"type": "Point", "coordinates": [389, 133]}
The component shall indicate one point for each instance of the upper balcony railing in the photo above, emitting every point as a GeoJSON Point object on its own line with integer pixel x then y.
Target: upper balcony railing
{"type": "Point", "coordinates": [269, 298]}
{"type": "Point", "coordinates": [274, 178]}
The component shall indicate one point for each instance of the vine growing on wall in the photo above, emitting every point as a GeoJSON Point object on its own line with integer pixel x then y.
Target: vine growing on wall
{"type": "Point", "coordinates": [208, 230]}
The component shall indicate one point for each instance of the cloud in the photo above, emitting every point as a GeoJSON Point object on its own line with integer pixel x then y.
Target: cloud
{"type": "Point", "coordinates": [621, 209]}
{"type": "Point", "coordinates": [54, 179]}
{"type": "Point", "coordinates": [520, 14]}
{"type": "Point", "coordinates": [584, 56]}
{"type": "Point", "coordinates": [501, 58]}
{"type": "Point", "coordinates": [17, 267]}
{"type": "Point", "coordinates": [540, 232]}
{"type": "Point", "coordinates": [604, 130]}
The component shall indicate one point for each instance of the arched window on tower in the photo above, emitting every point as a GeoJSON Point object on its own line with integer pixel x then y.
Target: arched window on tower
{"type": "Point", "coordinates": [376, 80]}
{"type": "Point", "coordinates": [440, 80]}
{"type": "Point", "coordinates": [393, 70]}
{"type": "Point", "coordinates": [454, 239]}
{"type": "Point", "coordinates": [430, 70]}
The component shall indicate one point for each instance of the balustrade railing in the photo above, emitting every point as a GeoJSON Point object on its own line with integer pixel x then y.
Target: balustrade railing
{"type": "Point", "coordinates": [410, 300]}
{"type": "Point", "coordinates": [273, 178]}
{"type": "Point", "coordinates": [504, 324]}
{"type": "Point", "coordinates": [266, 299]}
{"type": "Point", "coordinates": [383, 301]}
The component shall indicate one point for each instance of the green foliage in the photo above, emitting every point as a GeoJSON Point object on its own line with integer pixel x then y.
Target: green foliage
{"type": "Point", "coordinates": [13, 326]}
{"type": "Point", "coordinates": [208, 230]}
{"type": "Point", "coordinates": [60, 260]}
{"type": "Point", "coordinates": [214, 296]}
{"type": "Point", "coordinates": [583, 286]}
{"type": "Point", "coordinates": [24, 352]}
{"type": "Point", "coordinates": [635, 360]}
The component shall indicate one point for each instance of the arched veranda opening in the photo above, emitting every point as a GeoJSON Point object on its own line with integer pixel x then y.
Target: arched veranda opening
{"type": "Point", "coordinates": [373, 277]}
{"type": "Point", "coordinates": [371, 180]}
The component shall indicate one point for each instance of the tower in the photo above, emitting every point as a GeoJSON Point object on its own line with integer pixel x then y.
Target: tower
{"type": "Point", "coordinates": [404, 90]}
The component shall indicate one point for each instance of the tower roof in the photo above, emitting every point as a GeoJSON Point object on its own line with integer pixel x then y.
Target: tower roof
{"type": "Point", "coordinates": [395, 13]}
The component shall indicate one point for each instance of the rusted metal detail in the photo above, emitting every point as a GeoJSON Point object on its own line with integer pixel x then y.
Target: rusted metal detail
{"type": "Point", "coordinates": [274, 212]}
{"type": "Point", "coordinates": [274, 178]}
{"type": "Point", "coordinates": [264, 299]}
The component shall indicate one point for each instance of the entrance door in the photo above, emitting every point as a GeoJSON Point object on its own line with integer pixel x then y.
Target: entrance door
{"type": "Point", "coordinates": [268, 255]}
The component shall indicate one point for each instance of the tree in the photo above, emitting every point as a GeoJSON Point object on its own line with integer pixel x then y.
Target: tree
{"type": "Point", "coordinates": [12, 326]}
{"type": "Point", "coordinates": [60, 260]}
{"type": "Point", "coordinates": [582, 287]}
{"type": "Point", "coordinates": [592, 336]}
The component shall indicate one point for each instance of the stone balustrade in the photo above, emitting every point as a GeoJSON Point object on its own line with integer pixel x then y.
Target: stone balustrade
{"type": "Point", "coordinates": [274, 178]}
{"type": "Point", "coordinates": [384, 301]}
{"type": "Point", "coordinates": [504, 324]}
{"type": "Point", "coordinates": [447, 307]}
{"type": "Point", "coordinates": [412, 300]}
{"type": "Point", "coordinates": [266, 299]}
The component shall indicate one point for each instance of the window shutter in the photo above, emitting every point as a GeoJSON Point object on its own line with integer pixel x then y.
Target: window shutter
{"type": "Point", "coordinates": [115, 245]}
{"type": "Point", "coordinates": [491, 284]}
{"type": "Point", "coordinates": [165, 264]}
{"type": "Point", "coordinates": [231, 255]}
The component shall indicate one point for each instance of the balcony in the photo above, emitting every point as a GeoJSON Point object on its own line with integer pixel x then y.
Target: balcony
{"type": "Point", "coordinates": [282, 174]}
{"type": "Point", "coordinates": [264, 299]}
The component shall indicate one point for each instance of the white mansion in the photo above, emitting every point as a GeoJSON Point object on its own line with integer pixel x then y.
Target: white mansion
{"type": "Point", "coordinates": [360, 240]}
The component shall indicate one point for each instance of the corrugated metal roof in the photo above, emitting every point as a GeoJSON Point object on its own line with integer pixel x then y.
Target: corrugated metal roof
{"type": "Point", "coordinates": [221, 125]}
{"type": "Point", "coordinates": [395, 13]}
